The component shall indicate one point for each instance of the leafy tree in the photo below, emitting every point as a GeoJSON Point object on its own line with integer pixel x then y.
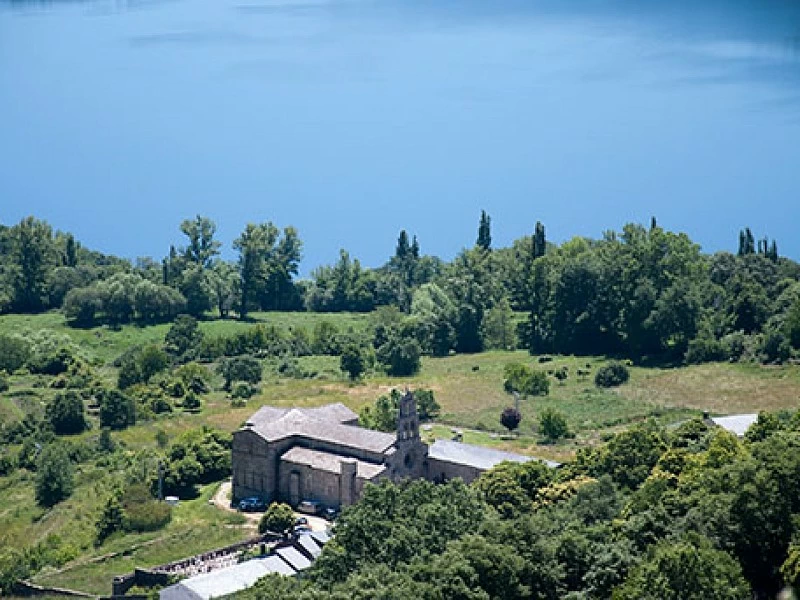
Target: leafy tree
{"type": "Point", "coordinates": [117, 411]}
{"type": "Point", "coordinates": [105, 443]}
{"type": "Point", "coordinates": [326, 339]}
{"type": "Point", "coordinates": [524, 380]}
{"type": "Point", "coordinates": [352, 361]}
{"type": "Point", "coordinates": [54, 475]}
{"type": "Point", "coordinates": [183, 337]}
{"type": "Point", "coordinates": [244, 368]}
{"type": "Point", "coordinates": [400, 355]}
{"type": "Point", "coordinates": [32, 255]}
{"type": "Point", "coordinates": [345, 286]}
{"type": "Point", "coordinates": [510, 418]}
{"type": "Point", "coordinates": [14, 352]}
{"type": "Point", "coordinates": [202, 247]}
{"type": "Point", "coordinates": [278, 518]}
{"type": "Point", "coordinates": [427, 406]}
{"type": "Point", "coordinates": [196, 287]}
{"type": "Point", "coordinates": [611, 375]}
{"type": "Point", "coordinates": [191, 401]}
{"type": "Point", "coordinates": [109, 521]}
{"type": "Point", "coordinates": [66, 413]}
{"type": "Point", "coordinates": [497, 329]}
{"type": "Point", "coordinates": [484, 240]}
{"type": "Point", "coordinates": [552, 424]}
{"type": "Point", "coordinates": [434, 315]}
{"type": "Point", "coordinates": [686, 570]}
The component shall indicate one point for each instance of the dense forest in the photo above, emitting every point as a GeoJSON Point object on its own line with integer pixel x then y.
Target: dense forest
{"type": "Point", "coordinates": [688, 514]}
{"type": "Point", "coordinates": [644, 293]}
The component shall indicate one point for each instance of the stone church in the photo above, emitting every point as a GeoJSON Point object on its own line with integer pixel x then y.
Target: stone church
{"type": "Point", "coordinates": [321, 454]}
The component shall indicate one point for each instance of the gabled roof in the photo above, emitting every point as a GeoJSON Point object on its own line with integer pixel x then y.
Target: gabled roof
{"type": "Point", "coordinates": [293, 557]}
{"type": "Point", "coordinates": [326, 461]}
{"type": "Point", "coordinates": [736, 424]}
{"type": "Point", "coordinates": [476, 456]}
{"type": "Point", "coordinates": [323, 423]}
{"type": "Point", "coordinates": [226, 581]}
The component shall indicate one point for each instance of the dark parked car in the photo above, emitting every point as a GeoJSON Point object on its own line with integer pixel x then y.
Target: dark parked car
{"type": "Point", "coordinates": [330, 513]}
{"type": "Point", "coordinates": [252, 504]}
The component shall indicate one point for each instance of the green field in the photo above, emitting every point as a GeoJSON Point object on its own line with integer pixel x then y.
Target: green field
{"type": "Point", "coordinates": [468, 387]}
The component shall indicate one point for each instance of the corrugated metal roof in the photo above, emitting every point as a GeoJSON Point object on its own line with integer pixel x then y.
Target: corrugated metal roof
{"type": "Point", "coordinates": [326, 461]}
{"type": "Point", "coordinates": [309, 545]}
{"type": "Point", "coordinates": [324, 423]}
{"type": "Point", "coordinates": [228, 580]}
{"type": "Point", "coordinates": [293, 557]}
{"type": "Point", "coordinates": [476, 456]}
{"type": "Point", "coordinates": [736, 424]}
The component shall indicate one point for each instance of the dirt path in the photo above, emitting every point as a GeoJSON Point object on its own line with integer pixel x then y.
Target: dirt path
{"type": "Point", "coordinates": [222, 500]}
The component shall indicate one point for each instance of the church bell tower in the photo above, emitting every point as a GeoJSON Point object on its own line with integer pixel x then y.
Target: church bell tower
{"type": "Point", "coordinates": [411, 454]}
{"type": "Point", "coordinates": [407, 419]}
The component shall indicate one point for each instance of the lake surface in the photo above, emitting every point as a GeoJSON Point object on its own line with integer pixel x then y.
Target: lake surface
{"type": "Point", "coordinates": [351, 119]}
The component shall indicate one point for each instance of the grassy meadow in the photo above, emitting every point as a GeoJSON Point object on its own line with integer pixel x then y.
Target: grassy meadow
{"type": "Point", "coordinates": [469, 389]}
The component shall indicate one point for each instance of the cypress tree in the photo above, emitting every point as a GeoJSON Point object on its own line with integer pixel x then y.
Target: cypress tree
{"type": "Point", "coordinates": [484, 232]}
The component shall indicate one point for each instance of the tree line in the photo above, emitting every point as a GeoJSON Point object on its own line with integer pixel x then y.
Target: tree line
{"type": "Point", "coordinates": [643, 293]}
{"type": "Point", "coordinates": [688, 513]}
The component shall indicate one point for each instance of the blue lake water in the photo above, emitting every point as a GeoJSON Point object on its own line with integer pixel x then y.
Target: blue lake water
{"type": "Point", "coordinates": [351, 119]}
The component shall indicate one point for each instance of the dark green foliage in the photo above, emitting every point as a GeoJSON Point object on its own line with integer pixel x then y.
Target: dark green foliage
{"type": "Point", "coordinates": [352, 361]}
{"type": "Point", "coordinates": [484, 240]}
{"type": "Point", "coordinates": [4, 385]}
{"type": "Point", "coordinates": [66, 413]}
{"type": "Point", "coordinates": [629, 456]}
{"type": "Point", "coordinates": [553, 425]}
{"type": "Point", "coordinates": [14, 352]}
{"type": "Point", "coordinates": [346, 286]}
{"type": "Point", "coordinates": [54, 475]}
{"type": "Point", "coordinates": [686, 570]}
{"type": "Point", "coordinates": [197, 456]}
{"type": "Point", "coordinates": [139, 365]}
{"type": "Point", "coordinates": [183, 338]}
{"type": "Point", "coordinates": [105, 443]}
{"type": "Point", "coordinates": [510, 418]}
{"type": "Point", "coordinates": [162, 439]}
{"type": "Point", "coordinates": [325, 339]}
{"type": "Point", "coordinates": [117, 410]}
{"type": "Point", "coordinates": [611, 375]}
{"type": "Point", "coordinates": [32, 254]}
{"type": "Point", "coordinates": [245, 369]}
{"type": "Point", "coordinates": [278, 518]}
{"type": "Point", "coordinates": [427, 407]}
{"type": "Point", "coordinates": [109, 521]}
{"type": "Point", "coordinates": [192, 401]}
{"type": "Point", "coordinates": [524, 380]}
{"type": "Point", "coordinates": [400, 355]}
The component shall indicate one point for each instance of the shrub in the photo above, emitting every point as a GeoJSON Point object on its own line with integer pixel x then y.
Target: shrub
{"type": "Point", "coordinates": [14, 352]}
{"type": "Point", "coordinates": [524, 380]}
{"type": "Point", "coordinates": [3, 383]}
{"type": "Point", "coordinates": [352, 361]}
{"type": "Point", "coordinates": [240, 369]}
{"type": "Point", "coordinates": [244, 390]}
{"type": "Point", "coordinates": [510, 418]}
{"type": "Point", "coordinates": [278, 518]}
{"type": "Point", "coordinates": [192, 401]}
{"type": "Point", "coordinates": [400, 355]}
{"type": "Point", "coordinates": [142, 512]}
{"type": "Point", "coordinates": [117, 411]}
{"type": "Point", "coordinates": [553, 425]}
{"type": "Point", "coordinates": [611, 375]}
{"type": "Point", "coordinates": [65, 413]}
{"type": "Point", "coordinates": [54, 475]}
{"type": "Point", "coordinates": [705, 349]}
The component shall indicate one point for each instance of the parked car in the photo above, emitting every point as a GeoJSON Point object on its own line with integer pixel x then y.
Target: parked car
{"type": "Point", "coordinates": [300, 521]}
{"type": "Point", "coordinates": [251, 504]}
{"type": "Point", "coordinates": [309, 507]}
{"type": "Point", "coordinates": [330, 513]}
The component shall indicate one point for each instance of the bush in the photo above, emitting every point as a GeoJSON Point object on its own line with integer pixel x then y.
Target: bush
{"type": "Point", "coordinates": [400, 355]}
{"type": "Point", "coordinates": [278, 518]}
{"type": "Point", "coordinates": [117, 411]}
{"type": "Point", "coordinates": [524, 380]}
{"type": "Point", "coordinates": [192, 402]}
{"type": "Point", "coordinates": [352, 362]}
{"type": "Point", "coordinates": [142, 512]}
{"type": "Point", "coordinates": [14, 352]}
{"type": "Point", "coordinates": [705, 349]}
{"type": "Point", "coordinates": [54, 475]}
{"type": "Point", "coordinates": [510, 418]}
{"type": "Point", "coordinates": [240, 369]}
{"type": "Point", "coordinates": [553, 425]}
{"type": "Point", "coordinates": [66, 414]}
{"type": "Point", "coordinates": [244, 390]}
{"type": "Point", "coordinates": [611, 375]}
{"type": "Point", "coordinates": [3, 383]}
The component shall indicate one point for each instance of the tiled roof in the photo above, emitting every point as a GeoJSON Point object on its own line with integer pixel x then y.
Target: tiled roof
{"type": "Point", "coordinates": [327, 461]}
{"type": "Point", "coordinates": [476, 456]}
{"type": "Point", "coordinates": [322, 423]}
{"type": "Point", "coordinates": [736, 424]}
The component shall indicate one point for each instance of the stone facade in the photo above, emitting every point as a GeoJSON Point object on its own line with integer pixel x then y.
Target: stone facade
{"type": "Point", "coordinates": [320, 454]}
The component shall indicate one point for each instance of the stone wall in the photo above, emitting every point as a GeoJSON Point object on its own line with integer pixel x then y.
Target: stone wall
{"type": "Point", "coordinates": [441, 471]}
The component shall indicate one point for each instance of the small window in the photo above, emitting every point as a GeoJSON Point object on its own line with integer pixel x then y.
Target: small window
{"type": "Point", "coordinates": [408, 461]}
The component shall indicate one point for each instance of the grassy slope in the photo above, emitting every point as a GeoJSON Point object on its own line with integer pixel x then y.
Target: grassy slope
{"type": "Point", "coordinates": [468, 387]}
